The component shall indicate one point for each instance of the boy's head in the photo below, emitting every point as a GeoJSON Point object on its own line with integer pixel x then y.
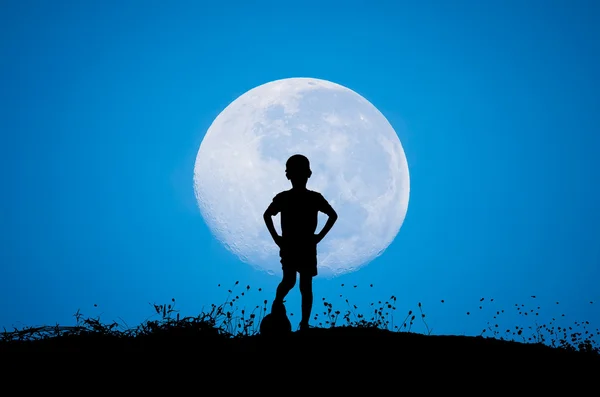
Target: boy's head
{"type": "Point", "coordinates": [297, 168]}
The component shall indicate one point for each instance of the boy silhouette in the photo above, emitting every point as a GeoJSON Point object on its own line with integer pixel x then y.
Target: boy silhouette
{"type": "Point", "coordinates": [299, 208]}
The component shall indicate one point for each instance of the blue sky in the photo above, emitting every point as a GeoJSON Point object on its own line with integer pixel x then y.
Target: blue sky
{"type": "Point", "coordinates": [103, 106]}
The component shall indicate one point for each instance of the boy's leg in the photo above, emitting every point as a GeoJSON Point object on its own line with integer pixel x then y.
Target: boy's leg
{"type": "Point", "coordinates": [307, 298]}
{"type": "Point", "coordinates": [285, 286]}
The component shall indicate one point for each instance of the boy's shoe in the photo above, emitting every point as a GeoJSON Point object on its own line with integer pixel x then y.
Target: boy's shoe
{"type": "Point", "coordinates": [277, 307]}
{"type": "Point", "coordinates": [304, 326]}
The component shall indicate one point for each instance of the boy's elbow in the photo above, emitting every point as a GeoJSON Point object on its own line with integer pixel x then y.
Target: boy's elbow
{"type": "Point", "coordinates": [333, 216]}
{"type": "Point", "coordinates": [266, 215]}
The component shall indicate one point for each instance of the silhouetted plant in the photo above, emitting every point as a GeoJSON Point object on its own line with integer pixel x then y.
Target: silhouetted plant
{"type": "Point", "coordinates": [231, 319]}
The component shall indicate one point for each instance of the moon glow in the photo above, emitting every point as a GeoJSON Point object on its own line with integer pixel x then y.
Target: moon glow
{"type": "Point", "coordinates": [357, 160]}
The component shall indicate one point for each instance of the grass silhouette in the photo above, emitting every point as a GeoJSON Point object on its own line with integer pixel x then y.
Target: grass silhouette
{"type": "Point", "coordinates": [351, 350]}
{"type": "Point", "coordinates": [229, 324]}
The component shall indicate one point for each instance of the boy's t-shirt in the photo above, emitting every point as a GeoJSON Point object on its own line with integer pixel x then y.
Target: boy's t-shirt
{"type": "Point", "coordinates": [299, 211]}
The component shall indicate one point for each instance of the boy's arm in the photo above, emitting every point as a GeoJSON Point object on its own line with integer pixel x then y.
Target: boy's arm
{"type": "Point", "coordinates": [328, 225]}
{"type": "Point", "coordinates": [330, 212]}
{"type": "Point", "coordinates": [271, 228]}
{"type": "Point", "coordinates": [271, 211]}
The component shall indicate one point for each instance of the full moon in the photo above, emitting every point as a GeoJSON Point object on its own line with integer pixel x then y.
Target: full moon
{"type": "Point", "coordinates": [356, 157]}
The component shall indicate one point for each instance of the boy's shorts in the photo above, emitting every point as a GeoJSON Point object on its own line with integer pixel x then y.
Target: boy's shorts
{"type": "Point", "coordinates": [300, 259]}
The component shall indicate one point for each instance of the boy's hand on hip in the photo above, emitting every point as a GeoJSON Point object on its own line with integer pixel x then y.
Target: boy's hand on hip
{"type": "Point", "coordinates": [318, 238]}
{"type": "Point", "coordinates": [278, 240]}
